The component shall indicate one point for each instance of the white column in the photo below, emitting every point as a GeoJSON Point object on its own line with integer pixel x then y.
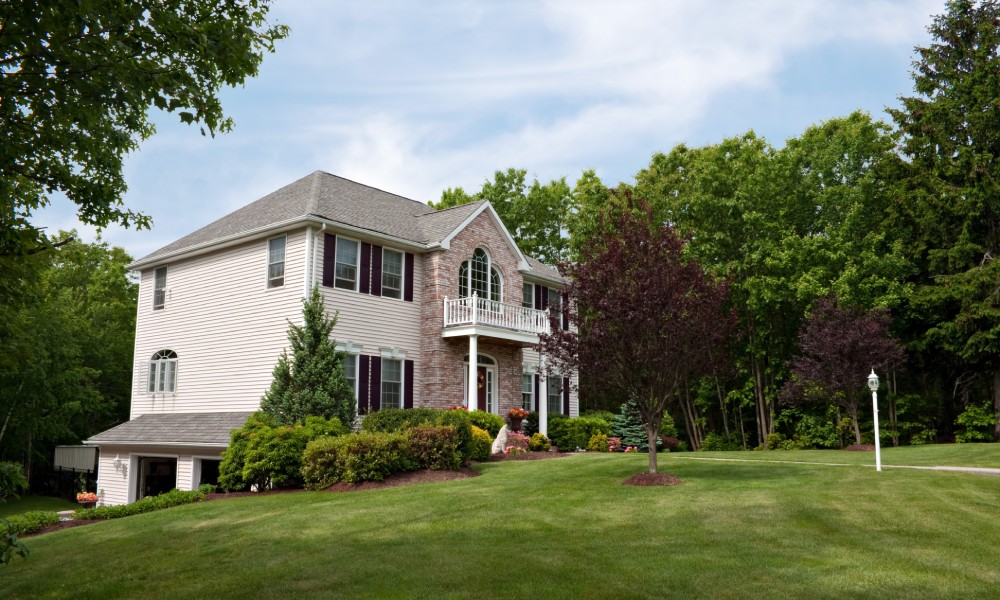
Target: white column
{"type": "Point", "coordinates": [543, 397]}
{"type": "Point", "coordinates": [473, 386]}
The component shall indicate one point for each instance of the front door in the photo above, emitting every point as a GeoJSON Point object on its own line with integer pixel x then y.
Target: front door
{"type": "Point", "coordinates": [483, 393]}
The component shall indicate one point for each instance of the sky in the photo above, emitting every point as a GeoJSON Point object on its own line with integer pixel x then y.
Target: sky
{"type": "Point", "coordinates": [417, 97]}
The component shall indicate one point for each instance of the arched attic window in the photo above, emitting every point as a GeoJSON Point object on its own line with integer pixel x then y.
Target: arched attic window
{"type": "Point", "coordinates": [478, 275]}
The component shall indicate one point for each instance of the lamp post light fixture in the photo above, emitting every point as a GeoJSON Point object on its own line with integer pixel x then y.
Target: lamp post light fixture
{"type": "Point", "coordinates": [873, 386]}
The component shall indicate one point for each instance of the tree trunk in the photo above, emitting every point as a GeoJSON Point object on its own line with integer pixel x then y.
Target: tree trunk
{"type": "Point", "coordinates": [892, 409]}
{"type": "Point", "coordinates": [758, 392]}
{"type": "Point", "coordinates": [722, 406]}
{"type": "Point", "coordinates": [743, 433]}
{"type": "Point", "coordinates": [652, 431]}
{"type": "Point", "coordinates": [996, 404]}
{"type": "Point", "coordinates": [854, 421]}
{"type": "Point", "coordinates": [840, 433]}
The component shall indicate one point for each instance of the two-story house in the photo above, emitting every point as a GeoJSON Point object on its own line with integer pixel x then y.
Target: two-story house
{"type": "Point", "coordinates": [427, 302]}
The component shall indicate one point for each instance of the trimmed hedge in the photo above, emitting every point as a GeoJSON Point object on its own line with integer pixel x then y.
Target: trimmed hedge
{"type": "Point", "coordinates": [490, 422]}
{"type": "Point", "coordinates": [482, 445]}
{"type": "Point", "coordinates": [570, 434]}
{"type": "Point", "coordinates": [169, 499]}
{"type": "Point", "coordinates": [398, 419]}
{"type": "Point", "coordinates": [356, 457]}
{"type": "Point", "coordinates": [433, 447]}
{"type": "Point", "coordinates": [539, 443]}
{"type": "Point", "coordinates": [28, 522]}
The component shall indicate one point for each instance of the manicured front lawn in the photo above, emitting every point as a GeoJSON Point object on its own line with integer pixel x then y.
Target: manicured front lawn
{"type": "Point", "coordinates": [956, 455]}
{"type": "Point", "coordinates": [561, 528]}
{"type": "Point", "coordinates": [14, 506]}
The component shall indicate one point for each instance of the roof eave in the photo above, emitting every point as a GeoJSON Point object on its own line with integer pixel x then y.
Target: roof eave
{"type": "Point", "coordinates": [94, 442]}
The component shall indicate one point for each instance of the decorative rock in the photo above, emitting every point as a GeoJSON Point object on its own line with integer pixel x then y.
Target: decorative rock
{"type": "Point", "coordinates": [501, 442]}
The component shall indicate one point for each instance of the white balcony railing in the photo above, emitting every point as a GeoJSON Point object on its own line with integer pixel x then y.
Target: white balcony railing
{"type": "Point", "coordinates": [474, 310]}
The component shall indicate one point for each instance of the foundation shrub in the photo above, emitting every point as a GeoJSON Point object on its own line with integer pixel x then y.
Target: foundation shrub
{"type": "Point", "coordinates": [433, 447]}
{"type": "Point", "coordinates": [459, 419]}
{"type": "Point", "coordinates": [570, 434]}
{"type": "Point", "coordinates": [529, 426]}
{"type": "Point", "coordinates": [598, 443]}
{"type": "Point", "coordinates": [539, 443]}
{"type": "Point", "coordinates": [398, 419]}
{"type": "Point", "coordinates": [28, 522]}
{"type": "Point", "coordinates": [481, 446]}
{"type": "Point", "coordinates": [354, 458]}
{"type": "Point", "coordinates": [488, 421]}
{"type": "Point", "coordinates": [148, 504]}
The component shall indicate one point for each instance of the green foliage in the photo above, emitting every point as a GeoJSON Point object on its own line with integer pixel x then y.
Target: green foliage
{"type": "Point", "coordinates": [12, 480]}
{"type": "Point", "coordinates": [459, 419]}
{"type": "Point", "coordinates": [312, 381]}
{"type": "Point", "coordinates": [539, 443]}
{"type": "Point", "coordinates": [353, 458]}
{"type": "Point", "coordinates": [714, 442]}
{"type": "Point", "coordinates": [207, 488]}
{"type": "Point", "coordinates": [627, 426]}
{"type": "Point", "coordinates": [571, 434]}
{"type": "Point", "coordinates": [529, 426]}
{"type": "Point", "coordinates": [28, 522]}
{"type": "Point", "coordinates": [10, 546]}
{"type": "Point", "coordinates": [435, 447]}
{"type": "Point", "coordinates": [481, 446]}
{"type": "Point", "coordinates": [398, 419]}
{"type": "Point", "coordinates": [605, 415]}
{"type": "Point", "coordinates": [490, 422]}
{"type": "Point", "coordinates": [598, 443]}
{"type": "Point", "coordinates": [977, 424]}
{"type": "Point", "coordinates": [265, 454]}
{"type": "Point", "coordinates": [79, 82]}
{"type": "Point", "coordinates": [148, 504]}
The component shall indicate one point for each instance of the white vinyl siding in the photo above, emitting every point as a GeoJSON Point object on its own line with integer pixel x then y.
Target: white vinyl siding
{"type": "Point", "coordinates": [392, 273]}
{"type": "Point", "coordinates": [227, 328]}
{"type": "Point", "coordinates": [345, 273]}
{"type": "Point", "coordinates": [276, 261]}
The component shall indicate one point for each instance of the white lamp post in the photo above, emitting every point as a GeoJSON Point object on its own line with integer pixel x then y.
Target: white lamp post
{"type": "Point", "coordinates": [873, 386]}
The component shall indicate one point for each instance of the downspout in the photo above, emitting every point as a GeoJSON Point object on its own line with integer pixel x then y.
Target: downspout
{"type": "Point", "coordinates": [307, 280]}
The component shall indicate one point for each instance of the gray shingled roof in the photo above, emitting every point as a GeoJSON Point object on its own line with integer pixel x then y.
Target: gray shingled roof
{"type": "Point", "coordinates": [541, 269]}
{"type": "Point", "coordinates": [176, 428]}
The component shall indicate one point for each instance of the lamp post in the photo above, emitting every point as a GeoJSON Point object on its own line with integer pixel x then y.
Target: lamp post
{"type": "Point", "coordinates": [873, 386]}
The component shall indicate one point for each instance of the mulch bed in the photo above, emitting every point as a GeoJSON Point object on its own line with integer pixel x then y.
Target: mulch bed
{"type": "Point", "coordinates": [651, 479]}
{"type": "Point", "coordinates": [861, 448]}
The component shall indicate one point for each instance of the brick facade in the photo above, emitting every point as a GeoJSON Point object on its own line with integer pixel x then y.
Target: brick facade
{"type": "Point", "coordinates": [443, 358]}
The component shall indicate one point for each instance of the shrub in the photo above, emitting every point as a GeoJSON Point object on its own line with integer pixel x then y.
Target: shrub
{"type": "Point", "coordinates": [570, 434]}
{"type": "Point", "coordinates": [598, 443]}
{"type": "Point", "coordinates": [716, 442]}
{"type": "Point", "coordinates": [978, 422]}
{"type": "Point", "coordinates": [481, 446]}
{"type": "Point", "coordinates": [518, 440]}
{"type": "Point", "coordinates": [12, 480]}
{"type": "Point", "coordinates": [672, 444]}
{"type": "Point", "coordinates": [148, 504]}
{"type": "Point", "coordinates": [773, 441]}
{"type": "Point", "coordinates": [28, 522]}
{"type": "Point", "coordinates": [606, 415]}
{"type": "Point", "coordinates": [270, 455]}
{"type": "Point", "coordinates": [207, 488]}
{"type": "Point", "coordinates": [434, 447]}
{"type": "Point", "coordinates": [459, 419]}
{"type": "Point", "coordinates": [529, 426]}
{"type": "Point", "coordinates": [539, 443]}
{"type": "Point", "coordinates": [488, 421]}
{"type": "Point", "coordinates": [398, 419]}
{"type": "Point", "coordinates": [614, 444]}
{"type": "Point", "coordinates": [355, 457]}
{"type": "Point", "coordinates": [627, 426]}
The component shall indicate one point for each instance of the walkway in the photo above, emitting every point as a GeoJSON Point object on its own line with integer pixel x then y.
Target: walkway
{"type": "Point", "coordinates": [977, 470]}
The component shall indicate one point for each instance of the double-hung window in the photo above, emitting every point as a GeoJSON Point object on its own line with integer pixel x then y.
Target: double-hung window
{"type": "Point", "coordinates": [555, 394]}
{"type": "Point", "coordinates": [276, 262]}
{"type": "Point", "coordinates": [392, 273]}
{"type": "Point", "coordinates": [351, 372]}
{"type": "Point", "coordinates": [527, 391]}
{"type": "Point", "coordinates": [162, 373]}
{"type": "Point", "coordinates": [159, 288]}
{"type": "Point", "coordinates": [528, 295]}
{"type": "Point", "coordinates": [555, 308]}
{"type": "Point", "coordinates": [392, 383]}
{"type": "Point", "coordinates": [346, 268]}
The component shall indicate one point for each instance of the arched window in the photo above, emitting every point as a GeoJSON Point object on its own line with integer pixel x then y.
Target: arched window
{"type": "Point", "coordinates": [162, 372]}
{"type": "Point", "coordinates": [478, 276]}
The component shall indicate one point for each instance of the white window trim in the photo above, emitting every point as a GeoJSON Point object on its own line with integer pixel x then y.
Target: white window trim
{"type": "Point", "coordinates": [392, 353]}
{"type": "Point", "coordinates": [554, 381]}
{"type": "Point", "coordinates": [155, 380]}
{"type": "Point", "coordinates": [402, 380]}
{"type": "Point", "coordinates": [490, 268]}
{"type": "Point", "coordinates": [352, 349]}
{"type": "Point", "coordinates": [531, 299]}
{"type": "Point", "coordinates": [534, 393]}
{"type": "Point", "coordinates": [267, 266]}
{"type": "Point", "coordinates": [357, 264]}
{"type": "Point", "coordinates": [402, 273]}
{"type": "Point", "coordinates": [156, 289]}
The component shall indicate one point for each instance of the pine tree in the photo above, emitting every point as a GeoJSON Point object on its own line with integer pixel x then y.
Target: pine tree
{"type": "Point", "coordinates": [310, 382]}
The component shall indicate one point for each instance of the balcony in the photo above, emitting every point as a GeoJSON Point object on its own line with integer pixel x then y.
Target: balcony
{"type": "Point", "coordinates": [478, 316]}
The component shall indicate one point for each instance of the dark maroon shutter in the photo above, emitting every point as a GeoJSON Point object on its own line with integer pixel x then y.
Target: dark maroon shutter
{"type": "Point", "coordinates": [538, 297]}
{"type": "Point", "coordinates": [408, 278]}
{"type": "Point", "coordinates": [363, 275]}
{"type": "Point", "coordinates": [375, 391]}
{"type": "Point", "coordinates": [408, 386]}
{"type": "Point", "coordinates": [329, 258]}
{"type": "Point", "coordinates": [534, 396]}
{"type": "Point", "coordinates": [363, 384]}
{"type": "Point", "coordinates": [545, 298]}
{"type": "Point", "coordinates": [565, 391]}
{"type": "Point", "coordinates": [376, 270]}
{"type": "Point", "coordinates": [565, 311]}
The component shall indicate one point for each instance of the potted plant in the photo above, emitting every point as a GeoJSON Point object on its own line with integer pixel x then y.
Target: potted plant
{"type": "Point", "coordinates": [515, 416]}
{"type": "Point", "coordinates": [87, 499]}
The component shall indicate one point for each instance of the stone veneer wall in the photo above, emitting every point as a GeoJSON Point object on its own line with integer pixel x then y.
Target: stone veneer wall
{"type": "Point", "coordinates": [443, 358]}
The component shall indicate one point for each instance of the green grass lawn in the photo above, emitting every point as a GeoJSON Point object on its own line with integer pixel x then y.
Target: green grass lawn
{"type": "Point", "coordinates": [14, 506]}
{"type": "Point", "coordinates": [952, 455]}
{"type": "Point", "coordinates": [561, 528]}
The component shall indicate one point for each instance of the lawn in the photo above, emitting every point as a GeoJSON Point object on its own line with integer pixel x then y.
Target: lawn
{"type": "Point", "coordinates": [957, 455]}
{"type": "Point", "coordinates": [560, 528]}
{"type": "Point", "coordinates": [14, 506]}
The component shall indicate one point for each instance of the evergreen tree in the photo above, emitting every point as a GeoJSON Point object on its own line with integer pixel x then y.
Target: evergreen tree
{"type": "Point", "coordinates": [310, 382]}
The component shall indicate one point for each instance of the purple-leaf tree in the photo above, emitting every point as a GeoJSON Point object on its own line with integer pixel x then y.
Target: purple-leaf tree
{"type": "Point", "coordinates": [644, 317]}
{"type": "Point", "coordinates": [840, 345]}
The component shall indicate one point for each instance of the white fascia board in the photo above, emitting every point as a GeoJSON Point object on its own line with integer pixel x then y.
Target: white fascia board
{"type": "Point", "coordinates": [147, 443]}
{"type": "Point", "coordinates": [264, 232]}
{"type": "Point", "coordinates": [445, 243]}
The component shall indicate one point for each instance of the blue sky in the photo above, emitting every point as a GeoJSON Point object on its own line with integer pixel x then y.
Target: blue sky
{"type": "Point", "coordinates": [417, 97]}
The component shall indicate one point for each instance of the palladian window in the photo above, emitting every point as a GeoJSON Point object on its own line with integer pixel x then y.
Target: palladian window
{"type": "Point", "coordinates": [162, 373]}
{"type": "Point", "coordinates": [478, 276]}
